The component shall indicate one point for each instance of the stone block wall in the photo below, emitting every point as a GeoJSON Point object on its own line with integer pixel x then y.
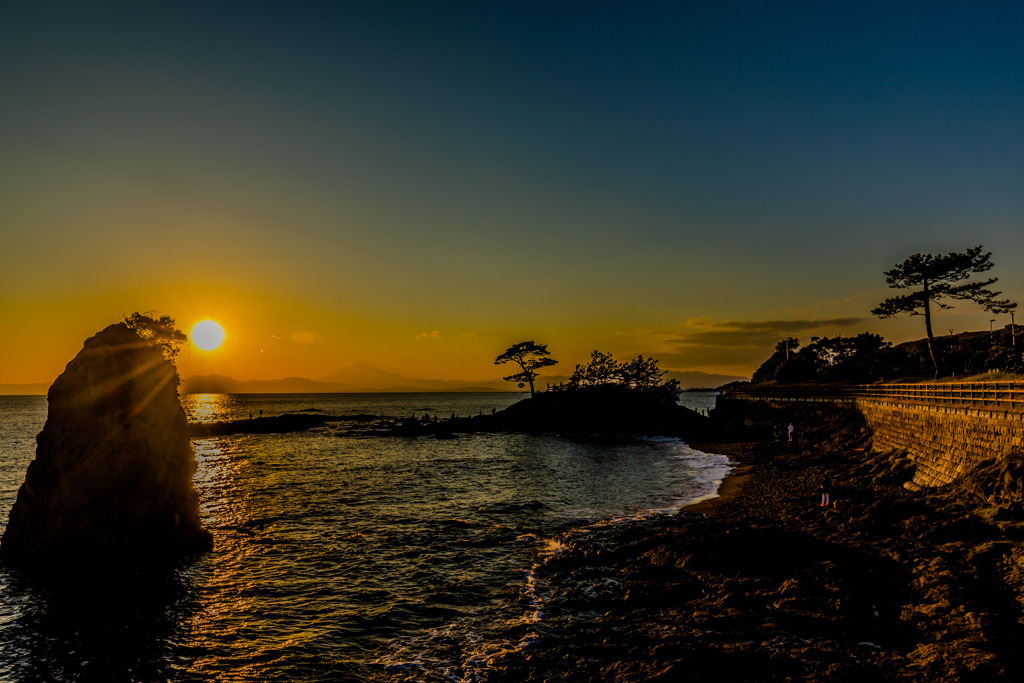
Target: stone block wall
{"type": "Point", "coordinates": [943, 441]}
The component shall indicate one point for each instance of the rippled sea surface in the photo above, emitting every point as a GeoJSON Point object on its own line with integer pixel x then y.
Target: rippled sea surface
{"type": "Point", "coordinates": [337, 558]}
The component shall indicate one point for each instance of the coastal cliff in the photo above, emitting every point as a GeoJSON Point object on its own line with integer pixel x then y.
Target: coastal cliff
{"type": "Point", "coordinates": [113, 467]}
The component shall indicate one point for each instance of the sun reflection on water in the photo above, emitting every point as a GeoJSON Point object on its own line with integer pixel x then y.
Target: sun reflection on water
{"type": "Point", "coordinates": [216, 478]}
{"type": "Point", "coordinates": [203, 408]}
{"type": "Point", "coordinates": [225, 602]}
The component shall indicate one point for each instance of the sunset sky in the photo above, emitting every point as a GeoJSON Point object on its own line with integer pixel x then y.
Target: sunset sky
{"type": "Point", "coordinates": [418, 185]}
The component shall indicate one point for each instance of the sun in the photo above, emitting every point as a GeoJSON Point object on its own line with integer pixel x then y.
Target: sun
{"type": "Point", "coordinates": [207, 335]}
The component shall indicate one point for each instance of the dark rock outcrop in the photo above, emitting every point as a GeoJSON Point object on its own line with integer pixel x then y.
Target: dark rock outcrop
{"type": "Point", "coordinates": [996, 481]}
{"type": "Point", "coordinates": [604, 410]}
{"type": "Point", "coordinates": [596, 411]}
{"type": "Point", "coordinates": [278, 424]}
{"type": "Point", "coordinates": [113, 467]}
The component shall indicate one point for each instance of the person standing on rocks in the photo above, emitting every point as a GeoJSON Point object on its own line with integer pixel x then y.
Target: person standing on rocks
{"type": "Point", "coordinates": [790, 429]}
{"type": "Point", "coordinates": [826, 491]}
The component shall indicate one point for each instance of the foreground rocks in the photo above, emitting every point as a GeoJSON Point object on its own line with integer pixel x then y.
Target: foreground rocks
{"type": "Point", "coordinates": [113, 467]}
{"type": "Point", "coordinates": [885, 585]}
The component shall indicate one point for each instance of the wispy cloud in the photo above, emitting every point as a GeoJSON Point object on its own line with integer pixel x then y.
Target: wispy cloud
{"type": "Point", "coordinates": [762, 328]}
{"type": "Point", "coordinates": [433, 334]}
{"type": "Point", "coordinates": [706, 343]}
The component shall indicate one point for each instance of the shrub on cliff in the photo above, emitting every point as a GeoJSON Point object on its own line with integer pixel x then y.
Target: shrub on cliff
{"type": "Point", "coordinates": [157, 331]}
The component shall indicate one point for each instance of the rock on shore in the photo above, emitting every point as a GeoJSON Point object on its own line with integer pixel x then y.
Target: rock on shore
{"type": "Point", "coordinates": [768, 585]}
{"type": "Point", "coordinates": [607, 410]}
{"type": "Point", "coordinates": [113, 467]}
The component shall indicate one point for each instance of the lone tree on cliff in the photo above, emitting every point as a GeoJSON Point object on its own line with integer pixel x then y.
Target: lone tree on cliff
{"type": "Point", "coordinates": [530, 357]}
{"type": "Point", "coordinates": [934, 278]}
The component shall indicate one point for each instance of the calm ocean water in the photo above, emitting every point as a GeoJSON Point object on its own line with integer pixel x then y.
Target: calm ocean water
{"type": "Point", "coordinates": [338, 558]}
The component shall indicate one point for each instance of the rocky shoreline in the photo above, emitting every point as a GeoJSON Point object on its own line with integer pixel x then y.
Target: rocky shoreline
{"type": "Point", "coordinates": [765, 584]}
{"type": "Point", "coordinates": [762, 583]}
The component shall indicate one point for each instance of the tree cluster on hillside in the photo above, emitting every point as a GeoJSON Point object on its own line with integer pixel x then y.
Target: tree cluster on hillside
{"type": "Point", "coordinates": [867, 358]}
{"type": "Point", "coordinates": [863, 358]}
{"type": "Point", "coordinates": [638, 374]}
{"type": "Point", "coordinates": [932, 280]}
{"type": "Point", "coordinates": [972, 353]}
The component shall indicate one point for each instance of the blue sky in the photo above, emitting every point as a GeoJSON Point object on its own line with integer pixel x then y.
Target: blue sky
{"type": "Point", "coordinates": [594, 175]}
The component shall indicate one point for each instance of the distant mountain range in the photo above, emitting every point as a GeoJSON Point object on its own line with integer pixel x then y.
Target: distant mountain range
{"type": "Point", "coordinates": [363, 377]}
{"type": "Point", "coordinates": [693, 379]}
{"type": "Point", "coordinates": [355, 378]}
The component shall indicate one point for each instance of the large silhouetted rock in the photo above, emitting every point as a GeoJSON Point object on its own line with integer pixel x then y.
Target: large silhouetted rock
{"type": "Point", "coordinates": [113, 467]}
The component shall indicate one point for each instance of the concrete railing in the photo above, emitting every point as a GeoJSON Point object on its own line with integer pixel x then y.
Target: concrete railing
{"type": "Point", "coordinates": [993, 395]}
{"type": "Point", "coordinates": [945, 428]}
{"type": "Point", "coordinates": [1008, 396]}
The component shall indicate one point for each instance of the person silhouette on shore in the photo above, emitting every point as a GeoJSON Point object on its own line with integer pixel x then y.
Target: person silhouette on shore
{"type": "Point", "coordinates": [790, 429]}
{"type": "Point", "coordinates": [826, 491]}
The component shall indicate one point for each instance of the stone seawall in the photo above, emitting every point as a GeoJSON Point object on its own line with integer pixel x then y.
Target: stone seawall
{"type": "Point", "coordinates": [944, 442]}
